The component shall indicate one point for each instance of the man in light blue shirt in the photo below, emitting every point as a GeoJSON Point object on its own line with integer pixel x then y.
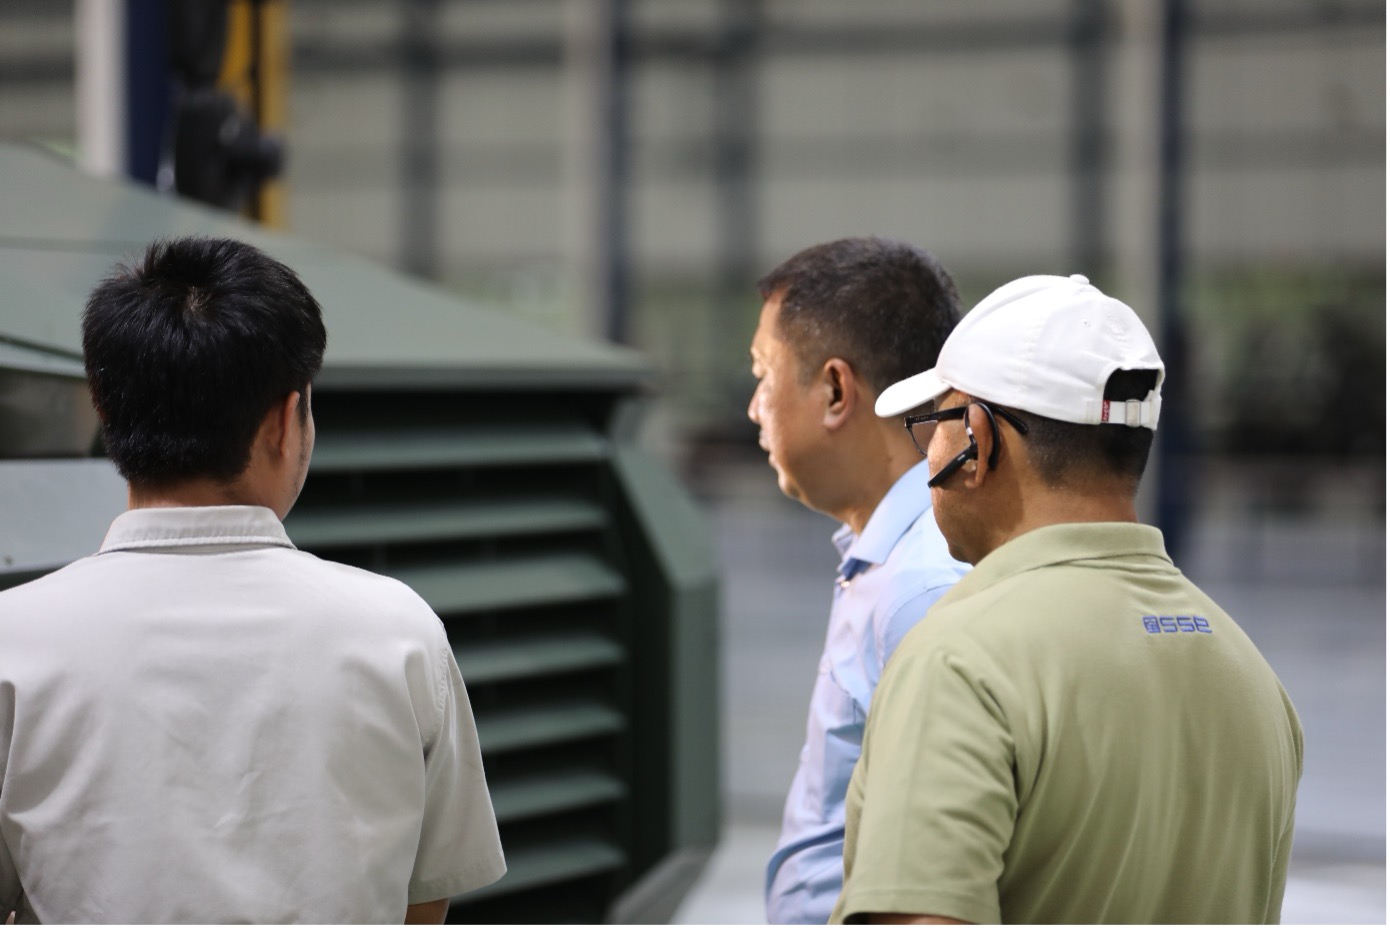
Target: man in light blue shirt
{"type": "Point", "coordinates": [840, 322]}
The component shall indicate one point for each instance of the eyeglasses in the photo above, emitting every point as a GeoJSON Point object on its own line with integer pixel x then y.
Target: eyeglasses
{"type": "Point", "coordinates": [970, 453]}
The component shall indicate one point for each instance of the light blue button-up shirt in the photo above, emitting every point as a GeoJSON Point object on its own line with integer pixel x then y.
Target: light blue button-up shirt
{"type": "Point", "coordinates": [888, 577]}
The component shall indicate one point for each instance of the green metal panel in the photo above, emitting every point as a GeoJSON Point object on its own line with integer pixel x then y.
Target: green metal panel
{"type": "Point", "coordinates": [451, 589]}
{"type": "Point", "coordinates": [45, 292]}
{"type": "Point", "coordinates": [61, 231]}
{"type": "Point", "coordinates": [522, 570]}
{"type": "Point", "coordinates": [674, 575]}
{"type": "Point", "coordinates": [37, 360]}
{"type": "Point", "coordinates": [507, 535]}
{"type": "Point", "coordinates": [436, 521]}
{"type": "Point", "coordinates": [554, 791]}
{"type": "Point", "coordinates": [553, 862]}
{"type": "Point", "coordinates": [419, 449]}
{"type": "Point", "coordinates": [515, 659]}
{"type": "Point", "coordinates": [54, 512]}
{"type": "Point", "coordinates": [689, 595]}
{"type": "Point", "coordinates": [515, 729]}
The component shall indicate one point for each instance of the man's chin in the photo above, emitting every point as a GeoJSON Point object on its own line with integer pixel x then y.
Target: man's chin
{"type": "Point", "coordinates": [789, 489]}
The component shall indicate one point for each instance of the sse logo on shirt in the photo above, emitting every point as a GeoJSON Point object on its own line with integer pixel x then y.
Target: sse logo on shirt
{"type": "Point", "coordinates": [1172, 624]}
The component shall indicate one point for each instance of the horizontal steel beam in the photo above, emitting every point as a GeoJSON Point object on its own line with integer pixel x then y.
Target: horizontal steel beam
{"type": "Point", "coordinates": [544, 51]}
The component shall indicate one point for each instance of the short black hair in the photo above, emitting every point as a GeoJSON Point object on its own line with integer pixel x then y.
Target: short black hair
{"type": "Point", "coordinates": [1067, 453]}
{"type": "Point", "coordinates": [884, 306]}
{"type": "Point", "coordinates": [187, 350]}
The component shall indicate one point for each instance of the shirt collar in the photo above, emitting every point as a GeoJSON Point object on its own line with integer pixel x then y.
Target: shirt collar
{"type": "Point", "coordinates": [1059, 544]}
{"type": "Point", "coordinates": [195, 526]}
{"type": "Point", "coordinates": [904, 503]}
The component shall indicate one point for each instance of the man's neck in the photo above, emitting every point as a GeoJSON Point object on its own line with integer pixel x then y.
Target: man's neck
{"type": "Point", "coordinates": [191, 493]}
{"type": "Point", "coordinates": [1060, 507]}
{"type": "Point", "coordinates": [871, 476]}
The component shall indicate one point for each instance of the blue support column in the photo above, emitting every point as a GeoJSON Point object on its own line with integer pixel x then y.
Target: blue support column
{"type": "Point", "coordinates": [1174, 440]}
{"type": "Point", "coordinates": [148, 86]}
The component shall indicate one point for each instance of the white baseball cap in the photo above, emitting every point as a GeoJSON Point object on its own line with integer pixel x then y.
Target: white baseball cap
{"type": "Point", "coordinates": [1045, 345]}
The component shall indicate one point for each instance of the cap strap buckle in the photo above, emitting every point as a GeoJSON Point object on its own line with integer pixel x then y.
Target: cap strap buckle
{"type": "Point", "coordinates": [1135, 412]}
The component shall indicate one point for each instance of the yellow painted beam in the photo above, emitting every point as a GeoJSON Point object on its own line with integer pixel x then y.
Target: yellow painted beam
{"type": "Point", "coordinates": [255, 71]}
{"type": "Point", "coordinates": [272, 99]}
{"type": "Point", "coordinates": [238, 64]}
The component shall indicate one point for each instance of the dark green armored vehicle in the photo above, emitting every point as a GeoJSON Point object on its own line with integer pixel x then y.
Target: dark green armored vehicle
{"type": "Point", "coordinates": [489, 464]}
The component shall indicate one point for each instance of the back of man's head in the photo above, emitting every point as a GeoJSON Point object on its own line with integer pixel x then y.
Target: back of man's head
{"type": "Point", "coordinates": [1068, 454]}
{"type": "Point", "coordinates": [884, 306]}
{"type": "Point", "coordinates": [1078, 367]}
{"type": "Point", "coordinates": [188, 349]}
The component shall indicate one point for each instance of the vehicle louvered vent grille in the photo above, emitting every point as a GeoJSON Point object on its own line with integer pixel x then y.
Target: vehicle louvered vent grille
{"type": "Point", "coordinates": [500, 515]}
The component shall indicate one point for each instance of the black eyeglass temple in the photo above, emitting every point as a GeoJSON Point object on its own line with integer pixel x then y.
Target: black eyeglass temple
{"type": "Point", "coordinates": [958, 412]}
{"type": "Point", "coordinates": [1009, 417]}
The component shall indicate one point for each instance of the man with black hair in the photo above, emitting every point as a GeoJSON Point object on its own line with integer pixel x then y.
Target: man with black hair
{"type": "Point", "coordinates": [1076, 733]}
{"type": "Point", "coordinates": [840, 321]}
{"type": "Point", "coordinates": [200, 723]}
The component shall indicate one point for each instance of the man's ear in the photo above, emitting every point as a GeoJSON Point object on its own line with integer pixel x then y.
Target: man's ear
{"type": "Point", "coordinates": [976, 472]}
{"type": "Point", "coordinates": [279, 423]}
{"type": "Point", "coordinates": [841, 390]}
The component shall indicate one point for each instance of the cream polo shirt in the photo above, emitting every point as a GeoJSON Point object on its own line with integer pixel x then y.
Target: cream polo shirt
{"type": "Point", "coordinates": [1075, 733]}
{"type": "Point", "coordinates": [201, 723]}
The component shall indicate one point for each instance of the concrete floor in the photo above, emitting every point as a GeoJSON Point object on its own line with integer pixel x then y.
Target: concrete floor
{"type": "Point", "coordinates": [1309, 590]}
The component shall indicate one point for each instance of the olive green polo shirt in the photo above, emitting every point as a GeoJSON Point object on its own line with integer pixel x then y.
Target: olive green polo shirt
{"type": "Point", "coordinates": [1075, 733]}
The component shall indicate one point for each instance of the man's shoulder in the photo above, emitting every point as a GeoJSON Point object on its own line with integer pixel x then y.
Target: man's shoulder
{"type": "Point", "coordinates": [922, 554]}
{"type": "Point", "coordinates": [274, 571]}
{"type": "Point", "coordinates": [1005, 613]}
{"type": "Point", "coordinates": [72, 576]}
{"type": "Point", "coordinates": [354, 588]}
{"type": "Point", "coordinates": [349, 577]}
{"type": "Point", "coordinates": [919, 563]}
{"type": "Point", "coordinates": [1031, 602]}
{"type": "Point", "coordinates": [1062, 608]}
{"type": "Point", "coordinates": [918, 572]}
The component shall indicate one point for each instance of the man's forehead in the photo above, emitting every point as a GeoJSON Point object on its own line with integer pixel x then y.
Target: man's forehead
{"type": "Point", "coordinates": [756, 348]}
{"type": "Point", "coordinates": [765, 336]}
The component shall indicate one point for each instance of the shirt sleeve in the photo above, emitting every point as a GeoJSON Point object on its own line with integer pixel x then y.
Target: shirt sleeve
{"type": "Point", "coordinates": [935, 795]}
{"type": "Point", "coordinates": [1275, 907]}
{"type": "Point", "coordinates": [9, 873]}
{"type": "Point", "coordinates": [806, 871]}
{"type": "Point", "coordinates": [903, 616]}
{"type": "Point", "coordinates": [459, 846]}
{"type": "Point", "coordinates": [804, 874]}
